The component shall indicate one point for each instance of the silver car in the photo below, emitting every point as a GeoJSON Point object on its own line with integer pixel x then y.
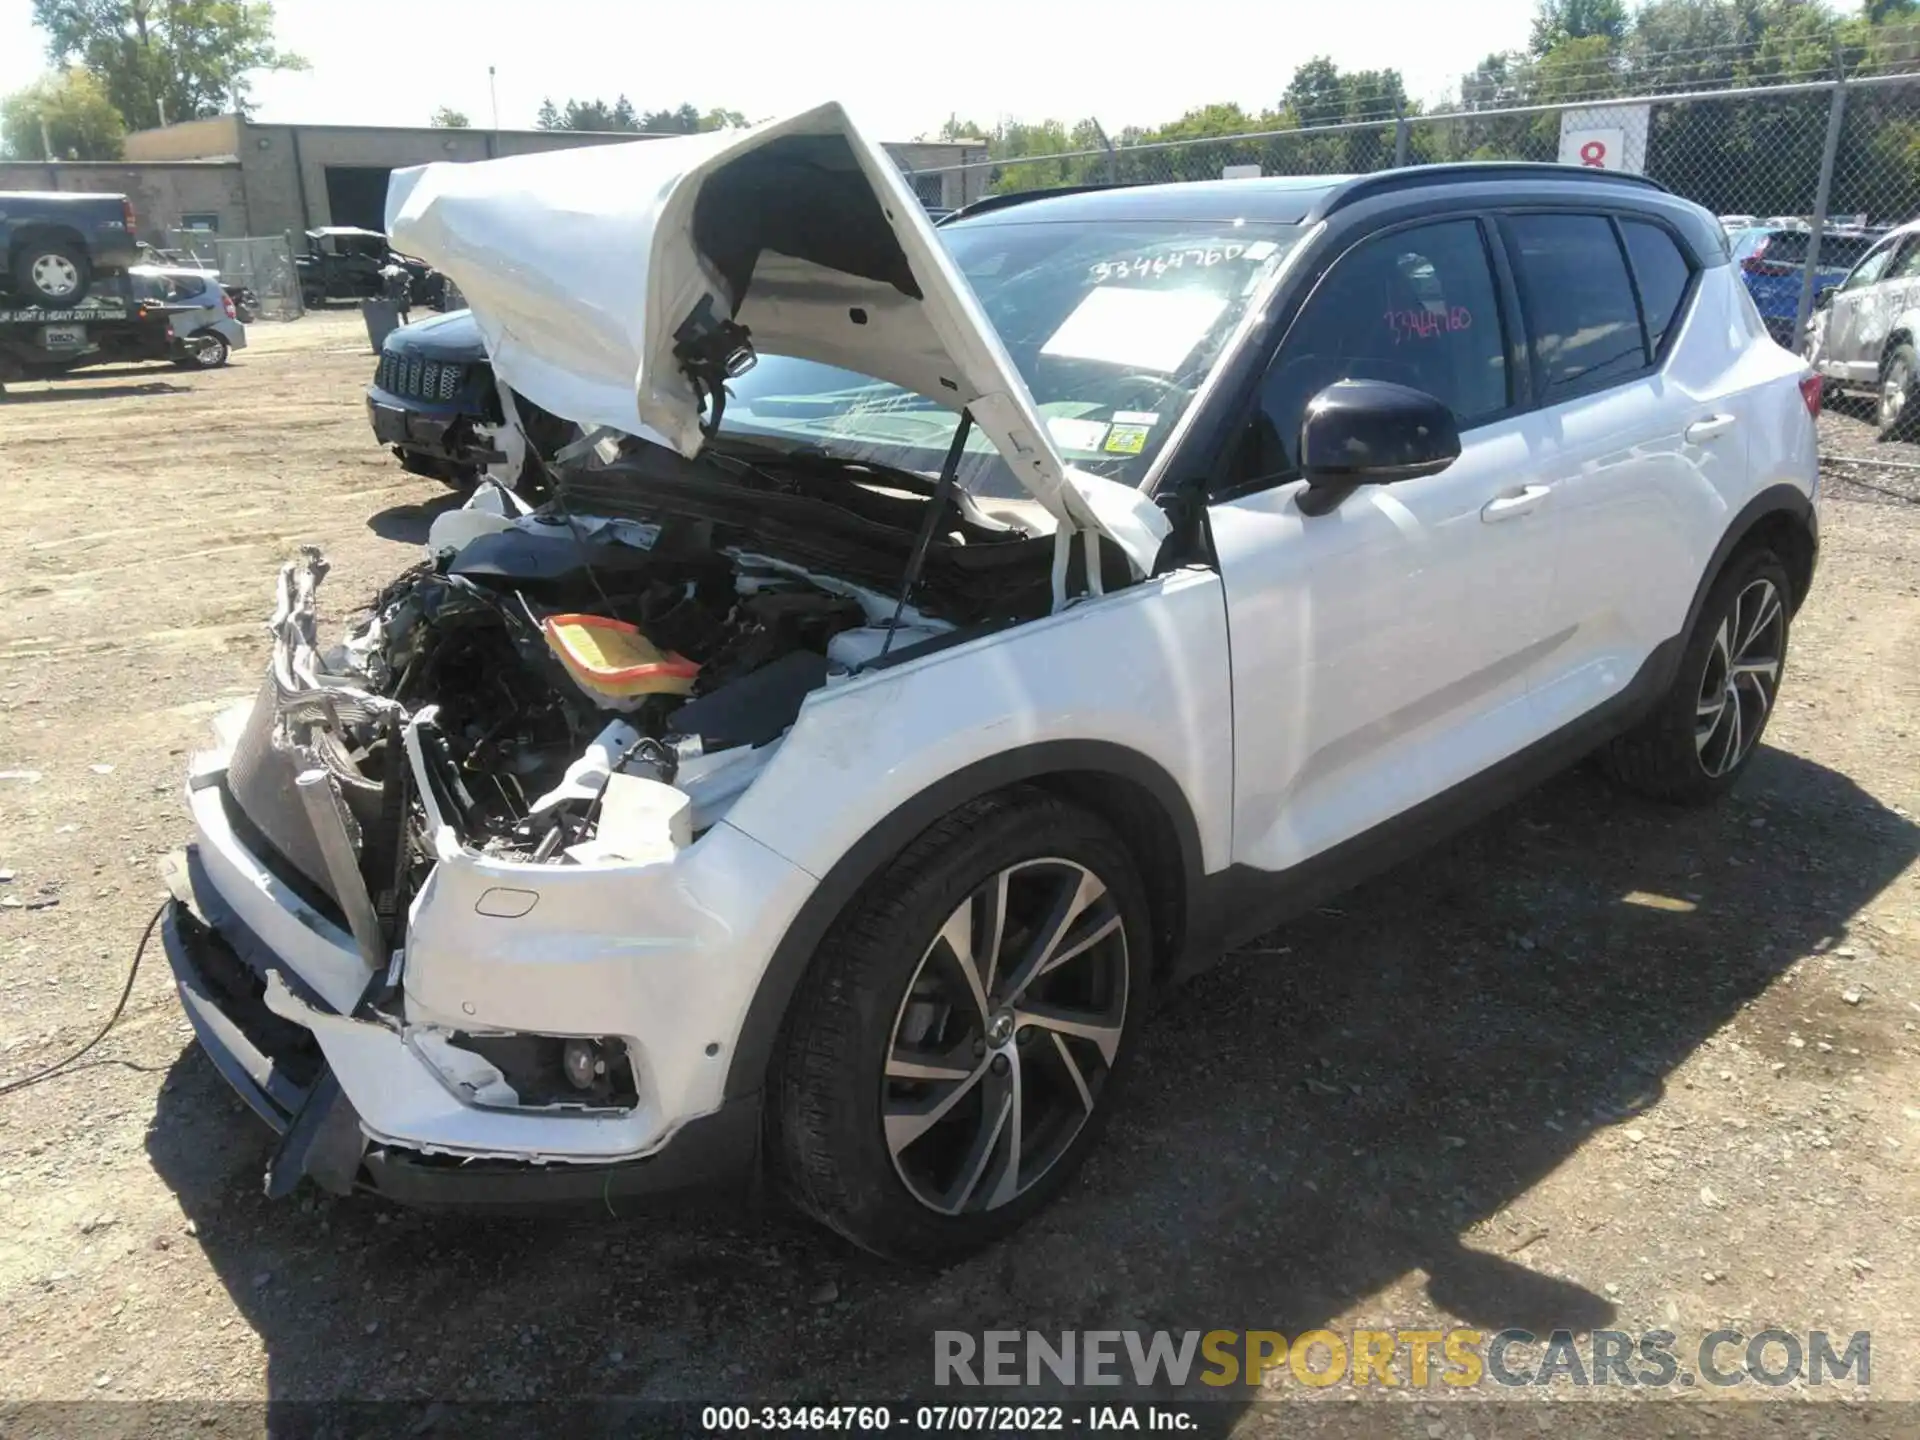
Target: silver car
{"type": "Point", "coordinates": [196, 307]}
{"type": "Point", "coordinates": [1862, 337]}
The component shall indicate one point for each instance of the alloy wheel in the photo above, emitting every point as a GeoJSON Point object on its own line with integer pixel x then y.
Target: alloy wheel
{"type": "Point", "coordinates": [1742, 677]}
{"type": "Point", "coordinates": [55, 275]}
{"type": "Point", "coordinates": [212, 355]}
{"type": "Point", "coordinates": [1893, 391]}
{"type": "Point", "coordinates": [1006, 1037]}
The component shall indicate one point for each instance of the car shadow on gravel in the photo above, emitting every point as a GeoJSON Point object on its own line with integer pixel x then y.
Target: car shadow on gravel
{"type": "Point", "coordinates": [408, 524]}
{"type": "Point", "coordinates": [95, 392]}
{"type": "Point", "coordinates": [1368, 1093]}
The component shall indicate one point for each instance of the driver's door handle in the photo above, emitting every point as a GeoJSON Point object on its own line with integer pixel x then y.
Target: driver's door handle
{"type": "Point", "coordinates": [1708, 428]}
{"type": "Point", "coordinates": [1515, 503]}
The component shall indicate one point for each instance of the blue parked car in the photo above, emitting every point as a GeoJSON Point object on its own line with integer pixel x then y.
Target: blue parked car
{"type": "Point", "coordinates": [1772, 260]}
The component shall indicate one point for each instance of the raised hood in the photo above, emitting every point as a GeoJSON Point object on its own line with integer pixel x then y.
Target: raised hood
{"type": "Point", "coordinates": [582, 266]}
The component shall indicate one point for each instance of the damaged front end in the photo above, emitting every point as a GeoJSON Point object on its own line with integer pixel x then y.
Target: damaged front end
{"type": "Point", "coordinates": [463, 899]}
{"type": "Point", "coordinates": [465, 918]}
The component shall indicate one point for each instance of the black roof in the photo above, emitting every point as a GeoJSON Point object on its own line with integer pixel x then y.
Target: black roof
{"type": "Point", "coordinates": [1307, 199]}
{"type": "Point", "coordinates": [1280, 199]}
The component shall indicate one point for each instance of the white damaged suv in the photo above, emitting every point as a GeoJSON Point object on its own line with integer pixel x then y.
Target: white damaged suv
{"type": "Point", "coordinates": [939, 642]}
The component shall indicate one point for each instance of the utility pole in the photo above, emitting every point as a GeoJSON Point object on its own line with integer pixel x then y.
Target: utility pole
{"type": "Point", "coordinates": [494, 92]}
{"type": "Point", "coordinates": [160, 104]}
{"type": "Point", "coordinates": [46, 139]}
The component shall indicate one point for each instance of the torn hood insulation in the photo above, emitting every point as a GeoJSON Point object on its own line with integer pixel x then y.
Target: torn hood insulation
{"type": "Point", "coordinates": [583, 266]}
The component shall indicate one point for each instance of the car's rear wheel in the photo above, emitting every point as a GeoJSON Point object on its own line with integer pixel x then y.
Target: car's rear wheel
{"type": "Point", "coordinates": [210, 356]}
{"type": "Point", "coordinates": [1705, 730]}
{"type": "Point", "coordinates": [52, 272]}
{"type": "Point", "coordinates": [1898, 372]}
{"type": "Point", "coordinates": [955, 1047]}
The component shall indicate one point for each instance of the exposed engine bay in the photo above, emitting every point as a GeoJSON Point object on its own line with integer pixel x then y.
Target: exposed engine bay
{"type": "Point", "coordinates": [597, 680]}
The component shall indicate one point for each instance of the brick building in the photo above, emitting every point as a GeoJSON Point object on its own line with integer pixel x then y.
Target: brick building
{"type": "Point", "coordinates": [235, 177]}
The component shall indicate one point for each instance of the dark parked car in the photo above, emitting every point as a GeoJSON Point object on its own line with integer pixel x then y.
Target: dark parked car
{"type": "Point", "coordinates": [435, 403]}
{"type": "Point", "coordinates": [433, 400]}
{"type": "Point", "coordinates": [1772, 260]}
{"type": "Point", "coordinates": [57, 243]}
{"type": "Point", "coordinates": [343, 262]}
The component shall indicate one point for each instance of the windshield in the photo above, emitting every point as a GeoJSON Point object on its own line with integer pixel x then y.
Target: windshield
{"type": "Point", "coordinates": [1113, 325]}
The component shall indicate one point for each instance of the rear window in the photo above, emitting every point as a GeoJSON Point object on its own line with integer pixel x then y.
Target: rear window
{"type": "Point", "coordinates": [1789, 247]}
{"type": "Point", "coordinates": [1662, 272]}
{"type": "Point", "coordinates": [1581, 316]}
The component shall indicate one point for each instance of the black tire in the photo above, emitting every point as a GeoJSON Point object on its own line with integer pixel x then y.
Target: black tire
{"type": "Point", "coordinates": [879, 971]}
{"type": "Point", "coordinates": [1664, 757]}
{"type": "Point", "coordinates": [52, 272]}
{"type": "Point", "coordinates": [1899, 373]}
{"type": "Point", "coordinates": [210, 357]}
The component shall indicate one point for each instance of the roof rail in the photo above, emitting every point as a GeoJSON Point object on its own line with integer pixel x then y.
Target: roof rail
{"type": "Point", "coordinates": [988, 203]}
{"type": "Point", "coordinates": [1464, 173]}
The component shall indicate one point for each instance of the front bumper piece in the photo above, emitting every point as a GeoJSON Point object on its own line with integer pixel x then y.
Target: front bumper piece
{"type": "Point", "coordinates": [227, 932]}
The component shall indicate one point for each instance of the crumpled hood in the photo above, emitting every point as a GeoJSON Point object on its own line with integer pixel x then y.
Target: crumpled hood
{"type": "Point", "coordinates": [581, 266]}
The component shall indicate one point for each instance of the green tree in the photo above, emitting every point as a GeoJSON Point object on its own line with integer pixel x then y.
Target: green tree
{"type": "Point", "coordinates": [1557, 21]}
{"type": "Point", "coordinates": [548, 117]}
{"type": "Point", "coordinates": [448, 118]}
{"type": "Point", "coordinates": [589, 115]}
{"type": "Point", "coordinates": [80, 121]}
{"type": "Point", "coordinates": [683, 121]}
{"type": "Point", "coordinates": [171, 59]}
{"type": "Point", "coordinates": [721, 119]}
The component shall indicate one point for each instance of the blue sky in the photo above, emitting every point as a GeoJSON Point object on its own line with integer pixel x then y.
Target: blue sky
{"type": "Point", "coordinates": [903, 67]}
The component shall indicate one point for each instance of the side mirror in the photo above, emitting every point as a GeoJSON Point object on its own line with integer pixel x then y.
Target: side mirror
{"type": "Point", "coordinates": [1371, 432]}
{"type": "Point", "coordinates": [1822, 299]}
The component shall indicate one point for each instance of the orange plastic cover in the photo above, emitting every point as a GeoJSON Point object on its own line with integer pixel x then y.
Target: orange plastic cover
{"type": "Point", "coordinates": [611, 657]}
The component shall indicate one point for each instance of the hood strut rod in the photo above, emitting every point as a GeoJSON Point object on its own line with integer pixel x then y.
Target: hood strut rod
{"type": "Point", "coordinates": [936, 508]}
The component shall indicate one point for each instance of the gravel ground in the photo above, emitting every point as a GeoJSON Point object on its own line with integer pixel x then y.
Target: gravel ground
{"type": "Point", "coordinates": [1596, 1063]}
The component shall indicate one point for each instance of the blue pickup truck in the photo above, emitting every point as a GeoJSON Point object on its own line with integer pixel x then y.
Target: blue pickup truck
{"type": "Point", "coordinates": [57, 243]}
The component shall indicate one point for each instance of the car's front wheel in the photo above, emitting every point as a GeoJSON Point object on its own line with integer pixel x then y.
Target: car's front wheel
{"type": "Point", "coordinates": [1706, 728]}
{"type": "Point", "coordinates": [1898, 373]}
{"type": "Point", "coordinates": [954, 1048]}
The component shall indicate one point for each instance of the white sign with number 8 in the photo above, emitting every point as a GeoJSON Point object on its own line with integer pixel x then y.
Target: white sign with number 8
{"type": "Point", "coordinates": [1596, 149]}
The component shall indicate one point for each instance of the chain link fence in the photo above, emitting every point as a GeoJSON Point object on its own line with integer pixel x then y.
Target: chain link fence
{"type": "Point", "coordinates": [261, 263]}
{"type": "Point", "coordinates": [1832, 159]}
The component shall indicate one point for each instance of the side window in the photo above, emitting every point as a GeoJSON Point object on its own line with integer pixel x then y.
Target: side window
{"type": "Point", "coordinates": [1874, 265]}
{"type": "Point", "coordinates": [1662, 272]}
{"type": "Point", "coordinates": [1581, 317]}
{"type": "Point", "coordinates": [1907, 266]}
{"type": "Point", "coordinates": [1417, 307]}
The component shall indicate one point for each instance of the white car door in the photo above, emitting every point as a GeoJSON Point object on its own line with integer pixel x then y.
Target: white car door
{"type": "Point", "coordinates": [1380, 650]}
{"type": "Point", "coordinates": [1861, 310]}
{"type": "Point", "coordinates": [1638, 445]}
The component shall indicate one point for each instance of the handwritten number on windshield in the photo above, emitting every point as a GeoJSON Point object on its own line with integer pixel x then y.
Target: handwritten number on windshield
{"type": "Point", "coordinates": [1140, 267]}
{"type": "Point", "coordinates": [1426, 324]}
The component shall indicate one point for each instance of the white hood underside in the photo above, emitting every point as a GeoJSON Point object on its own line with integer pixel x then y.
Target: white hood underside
{"type": "Point", "coordinates": [581, 266]}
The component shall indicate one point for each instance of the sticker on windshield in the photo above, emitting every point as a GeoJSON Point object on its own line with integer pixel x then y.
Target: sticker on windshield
{"type": "Point", "coordinates": [1070, 433]}
{"type": "Point", "coordinates": [1136, 417]}
{"type": "Point", "coordinates": [1127, 439]}
{"type": "Point", "coordinates": [1153, 330]}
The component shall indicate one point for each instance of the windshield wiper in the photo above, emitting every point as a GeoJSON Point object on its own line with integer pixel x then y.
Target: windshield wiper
{"type": "Point", "coordinates": [814, 457]}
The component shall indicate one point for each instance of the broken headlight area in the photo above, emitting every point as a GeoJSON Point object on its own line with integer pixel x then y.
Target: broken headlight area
{"type": "Point", "coordinates": [514, 1071]}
